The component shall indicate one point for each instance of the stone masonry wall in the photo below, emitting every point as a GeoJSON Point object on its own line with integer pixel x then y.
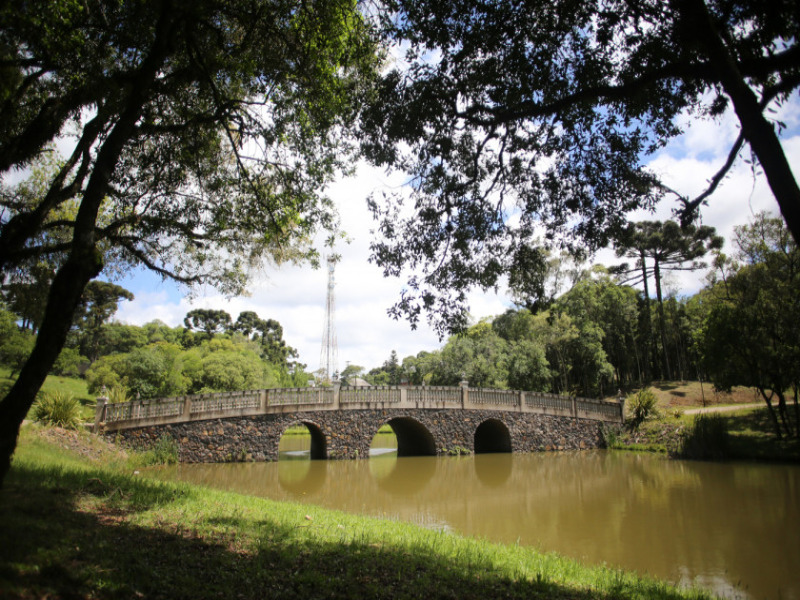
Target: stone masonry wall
{"type": "Point", "coordinates": [348, 434]}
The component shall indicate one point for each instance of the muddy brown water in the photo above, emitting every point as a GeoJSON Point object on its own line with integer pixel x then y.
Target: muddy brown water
{"type": "Point", "coordinates": [733, 528]}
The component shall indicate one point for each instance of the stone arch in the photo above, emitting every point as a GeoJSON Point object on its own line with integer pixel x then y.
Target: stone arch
{"type": "Point", "coordinates": [413, 438]}
{"type": "Point", "coordinates": [492, 436]}
{"type": "Point", "coordinates": [319, 444]}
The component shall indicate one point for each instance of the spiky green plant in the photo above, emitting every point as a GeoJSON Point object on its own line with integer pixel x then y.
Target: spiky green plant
{"type": "Point", "coordinates": [118, 394]}
{"type": "Point", "coordinates": [61, 409]}
{"type": "Point", "coordinates": [642, 405]}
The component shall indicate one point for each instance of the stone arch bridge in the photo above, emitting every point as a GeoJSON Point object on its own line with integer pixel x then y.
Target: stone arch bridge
{"type": "Point", "coordinates": [247, 426]}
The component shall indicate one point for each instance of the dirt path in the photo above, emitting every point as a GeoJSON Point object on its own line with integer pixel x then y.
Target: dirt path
{"type": "Point", "coordinates": [715, 409]}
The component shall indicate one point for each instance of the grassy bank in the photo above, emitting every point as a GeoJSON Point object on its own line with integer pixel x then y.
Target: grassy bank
{"type": "Point", "coordinates": [77, 522]}
{"type": "Point", "coordinates": [750, 433]}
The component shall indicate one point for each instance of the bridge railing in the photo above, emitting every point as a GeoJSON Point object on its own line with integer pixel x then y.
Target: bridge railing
{"type": "Point", "coordinates": [298, 396]}
{"type": "Point", "coordinates": [137, 413]}
{"type": "Point", "coordinates": [211, 403]}
{"type": "Point", "coordinates": [382, 394]}
{"type": "Point", "coordinates": [494, 397]}
{"type": "Point", "coordinates": [433, 396]}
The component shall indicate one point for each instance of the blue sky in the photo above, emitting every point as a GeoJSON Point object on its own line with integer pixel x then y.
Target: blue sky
{"type": "Point", "coordinates": [295, 296]}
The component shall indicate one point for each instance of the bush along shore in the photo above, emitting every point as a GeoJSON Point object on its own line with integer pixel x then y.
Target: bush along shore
{"type": "Point", "coordinates": [79, 521]}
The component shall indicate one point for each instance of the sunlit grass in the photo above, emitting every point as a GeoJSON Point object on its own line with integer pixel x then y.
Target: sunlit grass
{"type": "Point", "coordinates": [57, 384]}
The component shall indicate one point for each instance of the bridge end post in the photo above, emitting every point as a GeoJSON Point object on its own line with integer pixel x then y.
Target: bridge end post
{"type": "Point", "coordinates": [337, 386]}
{"type": "Point", "coordinates": [621, 398]}
{"type": "Point", "coordinates": [464, 393]}
{"type": "Point", "coordinates": [187, 408]}
{"type": "Point", "coordinates": [521, 401]}
{"type": "Point", "coordinates": [99, 412]}
{"type": "Point", "coordinates": [574, 406]}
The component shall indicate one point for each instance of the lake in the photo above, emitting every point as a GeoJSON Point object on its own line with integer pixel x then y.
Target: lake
{"type": "Point", "coordinates": [729, 527]}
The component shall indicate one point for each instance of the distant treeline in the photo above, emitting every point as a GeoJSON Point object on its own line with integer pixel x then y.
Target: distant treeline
{"type": "Point", "coordinates": [210, 353]}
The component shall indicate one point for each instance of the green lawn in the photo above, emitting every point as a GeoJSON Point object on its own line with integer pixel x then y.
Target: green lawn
{"type": "Point", "coordinates": [73, 385]}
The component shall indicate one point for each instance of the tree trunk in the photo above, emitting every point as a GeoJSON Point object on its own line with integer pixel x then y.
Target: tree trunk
{"type": "Point", "coordinates": [65, 293]}
{"type": "Point", "coordinates": [773, 417]}
{"type": "Point", "coordinates": [648, 325]}
{"type": "Point", "coordinates": [84, 262]}
{"type": "Point", "coordinates": [756, 129]}
{"type": "Point", "coordinates": [662, 322]}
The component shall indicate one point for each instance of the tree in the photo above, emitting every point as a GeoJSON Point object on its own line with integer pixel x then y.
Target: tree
{"type": "Point", "coordinates": [528, 366]}
{"type": "Point", "coordinates": [207, 320]}
{"type": "Point", "coordinates": [204, 133]}
{"type": "Point", "coordinates": [26, 294]}
{"type": "Point", "coordinates": [750, 335]}
{"type": "Point", "coordinates": [351, 372]}
{"type": "Point", "coordinates": [669, 247]}
{"type": "Point", "coordinates": [154, 371]}
{"type": "Point", "coordinates": [247, 323]}
{"type": "Point", "coordinates": [98, 304]}
{"type": "Point", "coordinates": [516, 120]}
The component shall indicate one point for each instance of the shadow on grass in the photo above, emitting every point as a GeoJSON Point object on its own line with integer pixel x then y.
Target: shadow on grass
{"type": "Point", "coordinates": [753, 436]}
{"type": "Point", "coordinates": [68, 535]}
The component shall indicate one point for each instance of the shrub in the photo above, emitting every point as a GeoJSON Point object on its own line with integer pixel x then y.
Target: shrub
{"type": "Point", "coordinates": [70, 363]}
{"type": "Point", "coordinates": [118, 394]}
{"type": "Point", "coordinates": [61, 409]}
{"type": "Point", "coordinates": [642, 406]}
{"type": "Point", "coordinates": [164, 452]}
{"type": "Point", "coordinates": [708, 439]}
{"type": "Point", "coordinates": [610, 436]}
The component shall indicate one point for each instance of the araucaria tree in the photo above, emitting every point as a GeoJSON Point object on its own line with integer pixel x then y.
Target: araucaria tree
{"type": "Point", "coordinates": [661, 247]}
{"type": "Point", "coordinates": [202, 136]}
{"type": "Point", "coordinates": [516, 120]}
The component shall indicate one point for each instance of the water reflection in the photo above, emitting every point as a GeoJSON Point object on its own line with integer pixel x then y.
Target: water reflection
{"type": "Point", "coordinates": [402, 477]}
{"type": "Point", "coordinates": [493, 470]}
{"type": "Point", "coordinates": [730, 527]}
{"type": "Point", "coordinates": [301, 477]}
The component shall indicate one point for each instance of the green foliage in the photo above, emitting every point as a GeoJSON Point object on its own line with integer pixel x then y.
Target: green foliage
{"type": "Point", "coordinates": [539, 119]}
{"type": "Point", "coordinates": [70, 362]}
{"type": "Point", "coordinates": [164, 452]}
{"type": "Point", "coordinates": [642, 406]}
{"type": "Point", "coordinates": [610, 435]}
{"type": "Point", "coordinates": [15, 347]}
{"type": "Point", "coordinates": [99, 302]}
{"type": "Point", "coordinates": [528, 366]}
{"type": "Point", "coordinates": [750, 335]}
{"type": "Point", "coordinates": [208, 320]}
{"type": "Point", "coordinates": [107, 373]}
{"type": "Point", "coordinates": [708, 439]}
{"type": "Point", "coordinates": [154, 371]}
{"type": "Point", "coordinates": [57, 408]}
{"type": "Point", "coordinates": [117, 394]}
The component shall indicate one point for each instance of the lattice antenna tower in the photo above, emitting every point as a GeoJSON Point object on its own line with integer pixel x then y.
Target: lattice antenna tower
{"type": "Point", "coordinates": [329, 355]}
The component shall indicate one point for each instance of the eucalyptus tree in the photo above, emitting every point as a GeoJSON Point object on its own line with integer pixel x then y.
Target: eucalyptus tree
{"type": "Point", "coordinates": [519, 121]}
{"type": "Point", "coordinates": [203, 134]}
